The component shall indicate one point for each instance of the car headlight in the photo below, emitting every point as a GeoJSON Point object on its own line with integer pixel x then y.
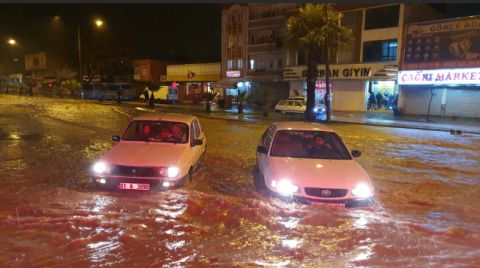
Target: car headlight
{"type": "Point", "coordinates": [362, 190]}
{"type": "Point", "coordinates": [172, 172]}
{"type": "Point", "coordinates": [100, 168]}
{"type": "Point", "coordinates": [284, 186]}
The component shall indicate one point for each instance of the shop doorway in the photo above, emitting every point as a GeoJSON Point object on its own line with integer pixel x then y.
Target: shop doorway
{"type": "Point", "coordinates": [381, 96]}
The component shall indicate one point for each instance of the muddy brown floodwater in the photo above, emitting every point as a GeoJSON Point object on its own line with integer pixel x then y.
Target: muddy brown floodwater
{"type": "Point", "coordinates": [426, 186]}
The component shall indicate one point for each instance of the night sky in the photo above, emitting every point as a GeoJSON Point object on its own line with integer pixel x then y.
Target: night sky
{"type": "Point", "coordinates": [183, 33]}
{"type": "Point", "coordinates": [180, 32]}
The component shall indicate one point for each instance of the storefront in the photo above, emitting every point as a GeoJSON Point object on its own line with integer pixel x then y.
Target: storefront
{"type": "Point", "coordinates": [194, 80]}
{"type": "Point", "coordinates": [440, 71]}
{"type": "Point", "coordinates": [350, 85]}
{"type": "Point", "coordinates": [441, 92]}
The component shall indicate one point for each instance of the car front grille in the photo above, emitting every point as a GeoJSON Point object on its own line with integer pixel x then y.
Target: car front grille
{"type": "Point", "coordinates": [118, 170]}
{"type": "Point", "coordinates": [326, 192]}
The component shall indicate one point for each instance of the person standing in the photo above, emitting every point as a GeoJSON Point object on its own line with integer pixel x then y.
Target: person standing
{"type": "Point", "coordinates": [379, 100]}
{"type": "Point", "coordinates": [145, 95]}
{"type": "Point", "coordinates": [371, 101]}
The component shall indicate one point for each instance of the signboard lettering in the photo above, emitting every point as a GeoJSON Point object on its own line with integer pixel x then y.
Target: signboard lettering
{"type": "Point", "coordinates": [440, 77]}
{"type": "Point", "coordinates": [233, 74]}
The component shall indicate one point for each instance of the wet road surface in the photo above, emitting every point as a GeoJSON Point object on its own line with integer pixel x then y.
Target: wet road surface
{"type": "Point", "coordinates": [426, 185]}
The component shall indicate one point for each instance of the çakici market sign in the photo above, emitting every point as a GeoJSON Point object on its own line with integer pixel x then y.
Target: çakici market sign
{"type": "Point", "coordinates": [467, 76]}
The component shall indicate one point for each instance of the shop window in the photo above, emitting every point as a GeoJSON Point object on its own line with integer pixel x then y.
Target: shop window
{"type": "Point", "coordinates": [382, 17]}
{"type": "Point", "coordinates": [382, 50]}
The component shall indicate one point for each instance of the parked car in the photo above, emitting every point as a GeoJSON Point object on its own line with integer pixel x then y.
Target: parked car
{"type": "Point", "coordinates": [296, 106]}
{"type": "Point", "coordinates": [291, 106]}
{"type": "Point", "coordinates": [300, 98]}
{"type": "Point", "coordinates": [160, 150]}
{"type": "Point", "coordinates": [310, 163]}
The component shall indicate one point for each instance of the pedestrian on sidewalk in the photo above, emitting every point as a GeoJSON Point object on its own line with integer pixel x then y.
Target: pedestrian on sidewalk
{"type": "Point", "coordinates": [371, 101]}
{"type": "Point", "coordinates": [379, 100]}
{"type": "Point", "coordinates": [151, 102]}
{"type": "Point", "coordinates": [145, 94]}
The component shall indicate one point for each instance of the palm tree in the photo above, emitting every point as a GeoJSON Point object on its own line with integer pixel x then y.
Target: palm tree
{"type": "Point", "coordinates": [314, 30]}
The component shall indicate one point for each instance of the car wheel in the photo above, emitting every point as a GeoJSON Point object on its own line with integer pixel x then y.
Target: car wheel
{"type": "Point", "coordinates": [258, 180]}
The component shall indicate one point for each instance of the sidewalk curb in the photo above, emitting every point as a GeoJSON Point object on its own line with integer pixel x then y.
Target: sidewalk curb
{"type": "Point", "coordinates": [336, 121]}
{"type": "Point", "coordinates": [406, 127]}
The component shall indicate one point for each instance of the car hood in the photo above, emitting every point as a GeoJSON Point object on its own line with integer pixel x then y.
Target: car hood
{"type": "Point", "coordinates": [145, 154]}
{"type": "Point", "coordinates": [320, 173]}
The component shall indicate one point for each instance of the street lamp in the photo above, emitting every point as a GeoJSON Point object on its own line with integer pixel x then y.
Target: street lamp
{"type": "Point", "coordinates": [12, 42]}
{"type": "Point", "coordinates": [98, 23]}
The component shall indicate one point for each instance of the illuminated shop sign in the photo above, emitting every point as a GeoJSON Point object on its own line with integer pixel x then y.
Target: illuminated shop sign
{"type": "Point", "coordinates": [233, 74]}
{"type": "Point", "coordinates": [467, 76]}
{"type": "Point", "coordinates": [319, 85]}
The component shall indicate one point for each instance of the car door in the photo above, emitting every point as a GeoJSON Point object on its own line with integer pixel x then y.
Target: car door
{"type": "Point", "coordinates": [290, 106]}
{"type": "Point", "coordinates": [298, 107]}
{"type": "Point", "coordinates": [196, 133]}
{"type": "Point", "coordinates": [262, 159]}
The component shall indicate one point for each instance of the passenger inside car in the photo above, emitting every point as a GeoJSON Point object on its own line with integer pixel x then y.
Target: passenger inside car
{"type": "Point", "coordinates": [320, 147]}
{"type": "Point", "coordinates": [178, 132]}
{"type": "Point", "coordinates": [289, 145]}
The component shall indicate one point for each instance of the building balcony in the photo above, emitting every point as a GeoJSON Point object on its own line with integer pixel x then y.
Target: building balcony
{"type": "Point", "coordinates": [264, 47]}
{"type": "Point", "coordinates": [264, 74]}
{"type": "Point", "coordinates": [268, 22]}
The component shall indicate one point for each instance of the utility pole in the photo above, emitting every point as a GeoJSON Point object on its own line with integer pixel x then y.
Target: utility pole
{"type": "Point", "coordinates": [327, 68]}
{"type": "Point", "coordinates": [80, 74]}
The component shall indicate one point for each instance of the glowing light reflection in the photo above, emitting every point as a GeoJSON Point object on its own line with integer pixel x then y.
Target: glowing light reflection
{"type": "Point", "coordinates": [292, 243]}
{"type": "Point", "coordinates": [269, 264]}
{"type": "Point", "coordinates": [290, 222]}
{"type": "Point", "coordinates": [15, 136]}
{"type": "Point", "coordinates": [175, 245]}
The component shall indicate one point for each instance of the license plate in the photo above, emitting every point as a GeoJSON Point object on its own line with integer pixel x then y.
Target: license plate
{"type": "Point", "coordinates": [336, 205]}
{"type": "Point", "coordinates": [134, 186]}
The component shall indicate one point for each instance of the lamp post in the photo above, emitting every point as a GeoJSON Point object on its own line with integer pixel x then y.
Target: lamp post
{"type": "Point", "coordinates": [99, 24]}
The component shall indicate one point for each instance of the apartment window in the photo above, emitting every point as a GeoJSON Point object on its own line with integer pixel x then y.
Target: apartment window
{"type": "Point", "coordinates": [239, 64]}
{"type": "Point", "coordinates": [251, 65]}
{"type": "Point", "coordinates": [382, 50]}
{"type": "Point", "coordinates": [229, 64]}
{"type": "Point", "coordinates": [382, 17]}
{"type": "Point", "coordinates": [280, 63]}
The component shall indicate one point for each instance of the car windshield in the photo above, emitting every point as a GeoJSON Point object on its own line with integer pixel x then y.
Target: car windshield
{"type": "Point", "coordinates": [309, 144]}
{"type": "Point", "coordinates": [157, 131]}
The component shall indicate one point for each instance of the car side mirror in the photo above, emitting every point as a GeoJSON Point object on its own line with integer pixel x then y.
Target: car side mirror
{"type": "Point", "coordinates": [116, 138]}
{"type": "Point", "coordinates": [197, 142]}
{"type": "Point", "coordinates": [261, 149]}
{"type": "Point", "coordinates": [356, 153]}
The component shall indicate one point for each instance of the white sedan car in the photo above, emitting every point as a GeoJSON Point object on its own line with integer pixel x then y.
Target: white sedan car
{"type": "Point", "coordinates": [296, 106]}
{"type": "Point", "coordinates": [159, 150]}
{"type": "Point", "coordinates": [310, 163]}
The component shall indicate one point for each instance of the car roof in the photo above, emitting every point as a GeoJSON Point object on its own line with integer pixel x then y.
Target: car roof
{"type": "Point", "coordinates": [301, 126]}
{"type": "Point", "coordinates": [186, 118]}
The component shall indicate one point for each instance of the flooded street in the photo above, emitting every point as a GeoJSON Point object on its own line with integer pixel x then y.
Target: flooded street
{"type": "Point", "coordinates": [427, 186]}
